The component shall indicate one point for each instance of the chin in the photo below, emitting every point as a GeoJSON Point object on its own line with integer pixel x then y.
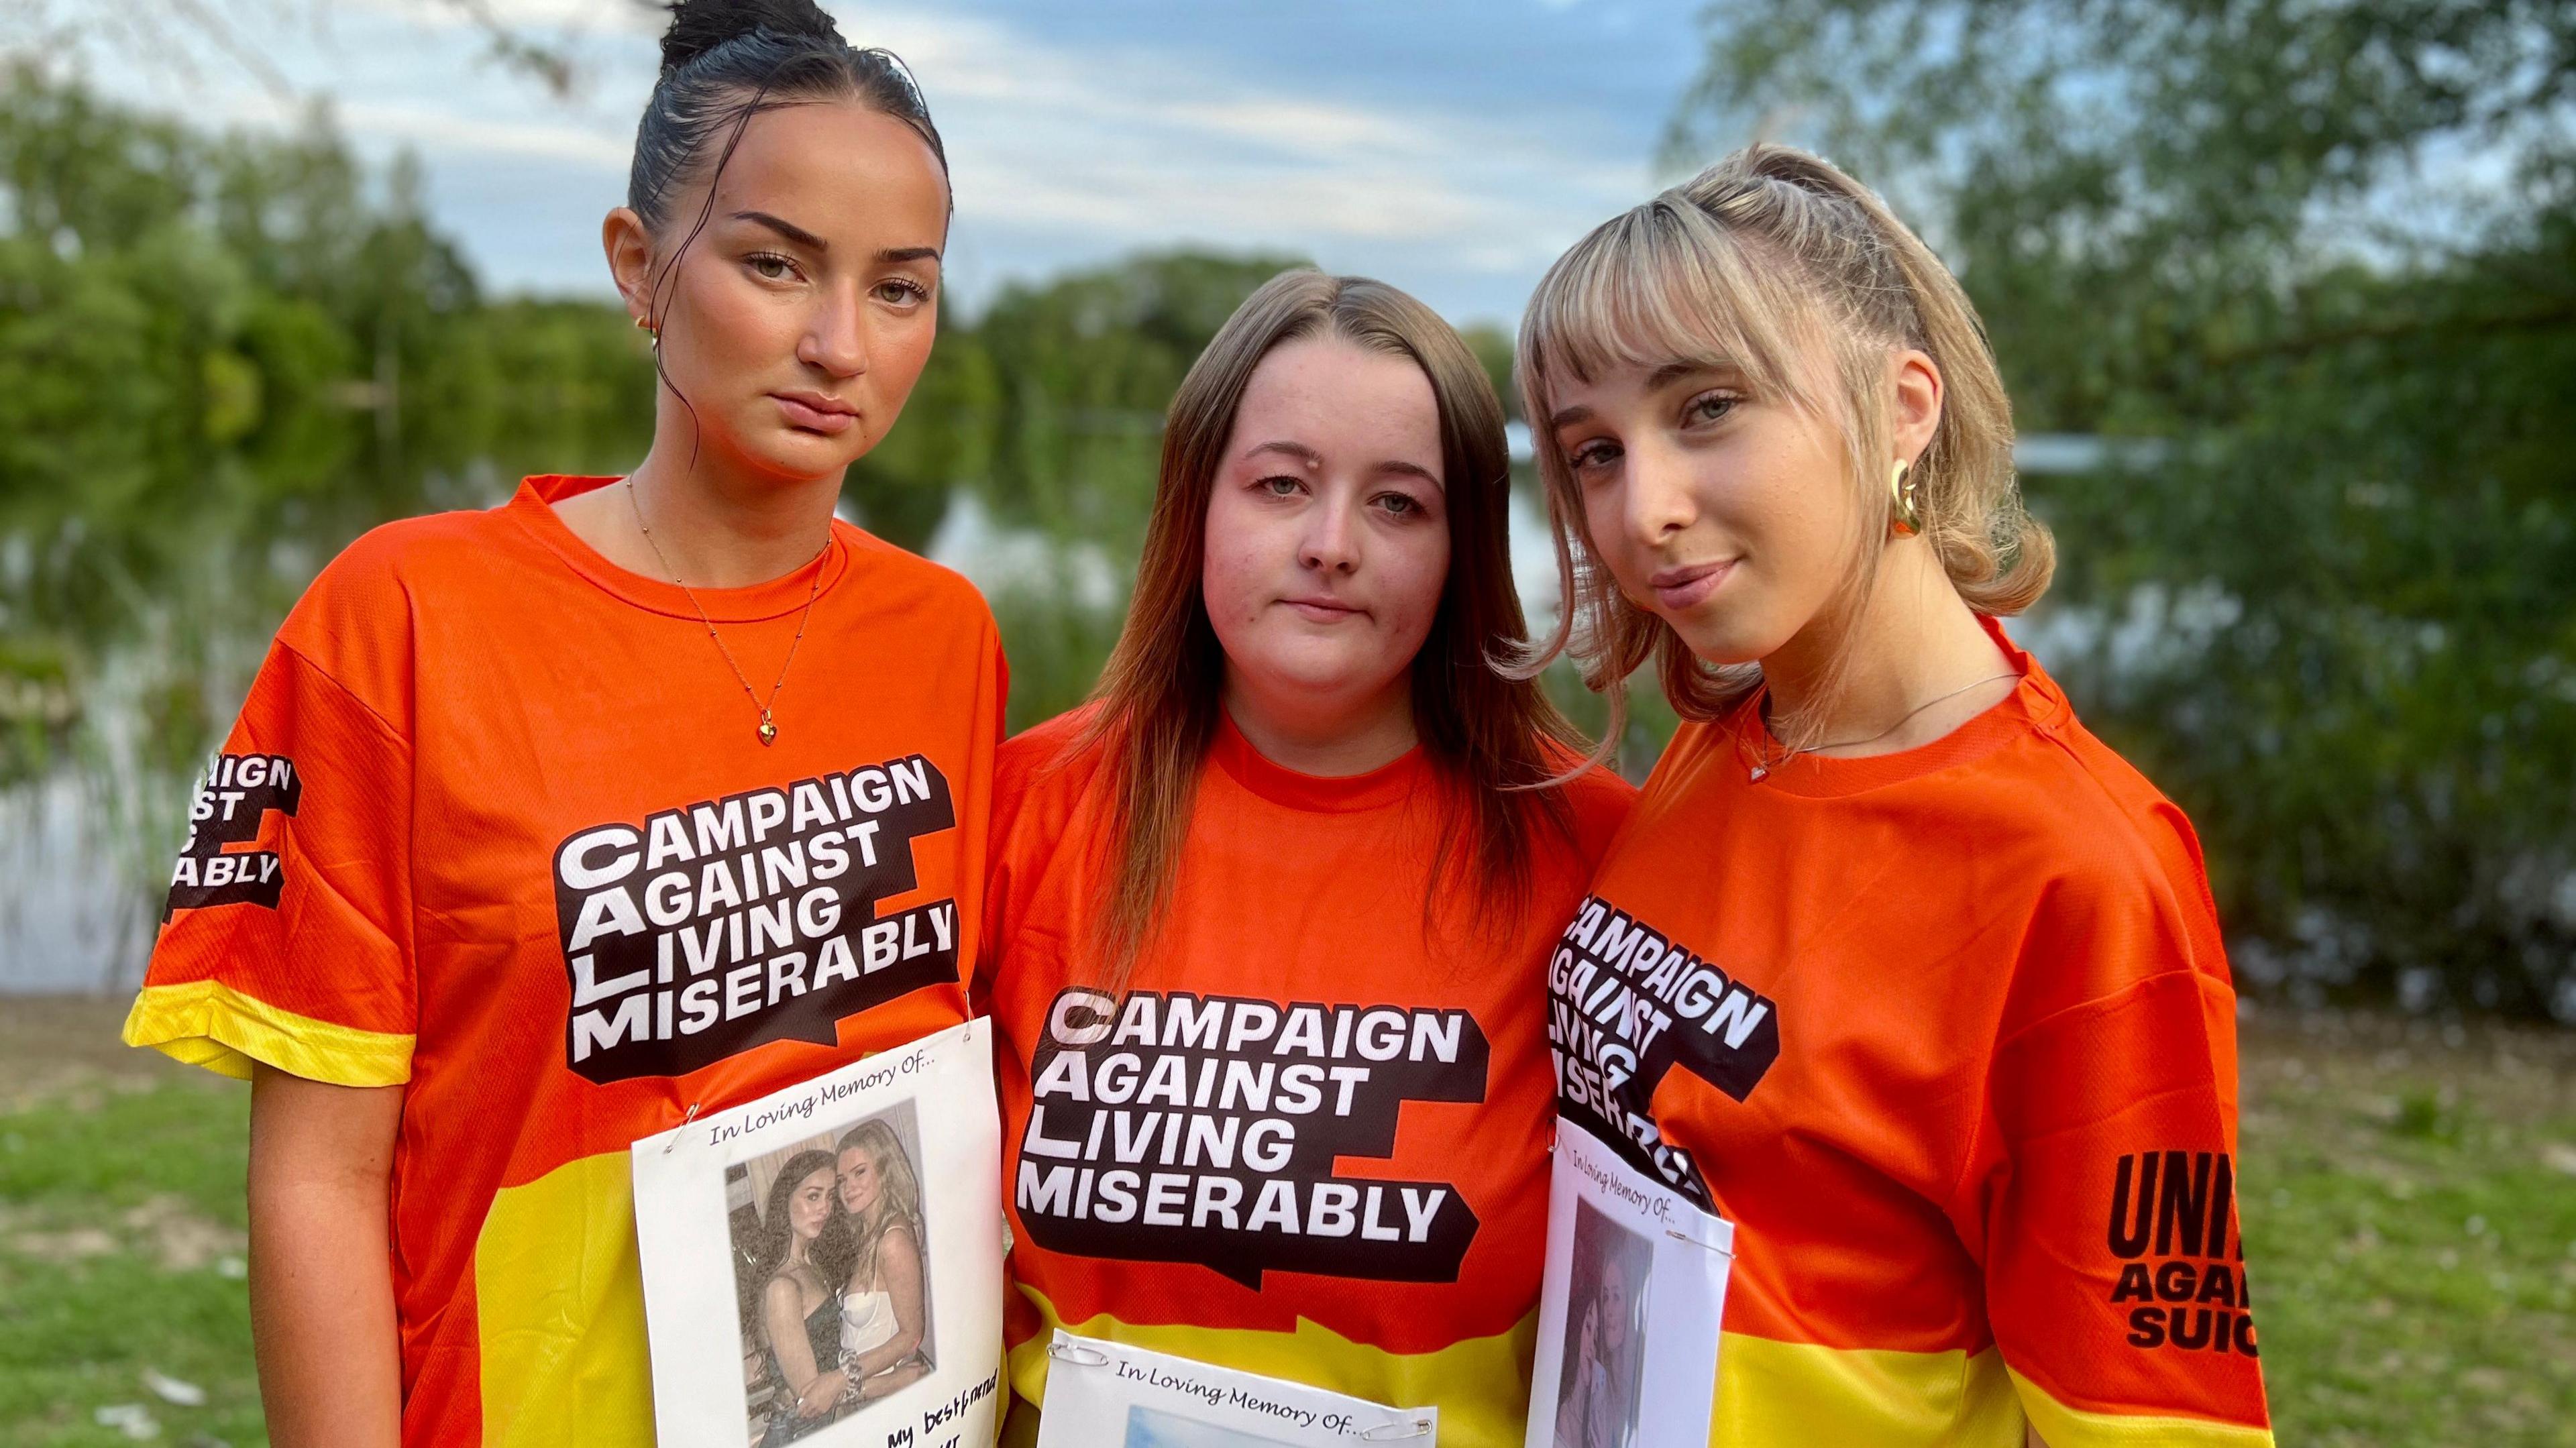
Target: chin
{"type": "Point", "coordinates": [794, 456]}
{"type": "Point", "coordinates": [1328, 670]}
{"type": "Point", "coordinates": [1723, 641]}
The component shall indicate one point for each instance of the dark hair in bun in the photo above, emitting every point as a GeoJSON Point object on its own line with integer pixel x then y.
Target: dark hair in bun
{"type": "Point", "coordinates": [725, 61]}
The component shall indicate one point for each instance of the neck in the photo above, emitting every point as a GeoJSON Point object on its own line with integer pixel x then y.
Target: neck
{"type": "Point", "coordinates": [1912, 641]}
{"type": "Point", "coordinates": [716, 530]}
{"type": "Point", "coordinates": [713, 522]}
{"type": "Point", "coordinates": [1330, 738]}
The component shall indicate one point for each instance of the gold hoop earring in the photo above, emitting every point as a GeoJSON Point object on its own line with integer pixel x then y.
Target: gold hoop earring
{"type": "Point", "coordinates": [1905, 517]}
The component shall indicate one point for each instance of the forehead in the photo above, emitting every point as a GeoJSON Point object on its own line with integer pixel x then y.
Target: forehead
{"type": "Point", "coordinates": [1333, 394]}
{"type": "Point", "coordinates": [840, 170]}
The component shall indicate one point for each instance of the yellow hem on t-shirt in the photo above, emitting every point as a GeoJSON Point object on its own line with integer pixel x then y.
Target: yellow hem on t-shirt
{"type": "Point", "coordinates": [208, 1023]}
{"type": "Point", "coordinates": [2064, 1427]}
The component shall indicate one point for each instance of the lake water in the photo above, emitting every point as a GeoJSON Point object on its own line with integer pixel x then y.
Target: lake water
{"type": "Point", "coordinates": [86, 845]}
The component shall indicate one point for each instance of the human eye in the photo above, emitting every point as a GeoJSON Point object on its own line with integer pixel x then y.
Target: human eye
{"type": "Point", "coordinates": [1592, 456]}
{"type": "Point", "coordinates": [902, 292]}
{"type": "Point", "coordinates": [1710, 406]}
{"type": "Point", "coordinates": [1279, 485]}
{"type": "Point", "coordinates": [770, 266]}
{"type": "Point", "coordinates": [1402, 505]}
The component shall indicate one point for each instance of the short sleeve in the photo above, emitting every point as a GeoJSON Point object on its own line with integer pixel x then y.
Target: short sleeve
{"type": "Point", "coordinates": [2102, 1195]}
{"type": "Point", "coordinates": [286, 935]}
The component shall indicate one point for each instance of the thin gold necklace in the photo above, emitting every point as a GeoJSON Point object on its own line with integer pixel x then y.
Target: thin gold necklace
{"type": "Point", "coordinates": [1763, 765]}
{"type": "Point", "coordinates": [768, 723]}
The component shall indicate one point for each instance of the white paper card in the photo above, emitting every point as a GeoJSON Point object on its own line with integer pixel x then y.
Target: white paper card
{"type": "Point", "coordinates": [871, 1198]}
{"type": "Point", "coordinates": [1629, 1314]}
{"type": "Point", "coordinates": [1112, 1395]}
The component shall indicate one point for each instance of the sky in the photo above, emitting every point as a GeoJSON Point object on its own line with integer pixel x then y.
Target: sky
{"type": "Point", "coordinates": [1452, 147]}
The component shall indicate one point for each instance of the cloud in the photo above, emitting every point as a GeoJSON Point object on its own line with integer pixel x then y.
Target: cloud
{"type": "Point", "coordinates": [1137, 145]}
{"type": "Point", "coordinates": [1062, 150]}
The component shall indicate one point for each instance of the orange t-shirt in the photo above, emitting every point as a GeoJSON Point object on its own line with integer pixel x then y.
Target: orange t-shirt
{"type": "Point", "coordinates": [1312, 1140]}
{"type": "Point", "coordinates": [1948, 1036]}
{"type": "Point", "coordinates": [495, 825]}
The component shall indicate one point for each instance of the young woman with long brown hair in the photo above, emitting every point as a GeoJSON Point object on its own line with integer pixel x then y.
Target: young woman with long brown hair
{"type": "Point", "coordinates": [1269, 914]}
{"type": "Point", "coordinates": [1937, 1013]}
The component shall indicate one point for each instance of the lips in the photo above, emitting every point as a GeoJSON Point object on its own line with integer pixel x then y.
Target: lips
{"type": "Point", "coordinates": [1678, 590]}
{"type": "Point", "coordinates": [1316, 608]}
{"type": "Point", "coordinates": [814, 412]}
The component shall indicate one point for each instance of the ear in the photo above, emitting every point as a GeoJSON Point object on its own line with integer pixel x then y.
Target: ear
{"type": "Point", "coordinates": [629, 245]}
{"type": "Point", "coordinates": [1916, 413]}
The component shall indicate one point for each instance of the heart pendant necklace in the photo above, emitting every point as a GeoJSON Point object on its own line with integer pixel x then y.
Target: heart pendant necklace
{"type": "Point", "coordinates": [768, 730]}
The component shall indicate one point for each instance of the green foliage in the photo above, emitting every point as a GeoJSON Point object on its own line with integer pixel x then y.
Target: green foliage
{"type": "Point", "coordinates": [220, 359]}
{"type": "Point", "coordinates": [1083, 367]}
{"type": "Point", "coordinates": [2326, 254]}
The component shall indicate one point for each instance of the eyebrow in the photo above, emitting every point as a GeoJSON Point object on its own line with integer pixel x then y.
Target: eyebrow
{"type": "Point", "coordinates": [1314, 459]}
{"type": "Point", "coordinates": [799, 235]}
{"type": "Point", "coordinates": [1297, 450]}
{"type": "Point", "coordinates": [788, 229]}
{"type": "Point", "coordinates": [1656, 381]}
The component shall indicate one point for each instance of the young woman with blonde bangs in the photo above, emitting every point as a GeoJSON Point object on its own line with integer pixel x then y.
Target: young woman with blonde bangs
{"type": "Point", "coordinates": [1269, 914]}
{"type": "Point", "coordinates": [1973, 1109]}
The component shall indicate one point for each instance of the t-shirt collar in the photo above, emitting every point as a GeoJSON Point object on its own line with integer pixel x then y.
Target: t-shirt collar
{"type": "Point", "coordinates": [533, 507]}
{"type": "Point", "coordinates": [2038, 704]}
{"type": "Point", "coordinates": [1389, 783]}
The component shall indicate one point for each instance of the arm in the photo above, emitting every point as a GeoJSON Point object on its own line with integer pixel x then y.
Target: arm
{"type": "Point", "coordinates": [899, 1270]}
{"type": "Point", "coordinates": [782, 1316]}
{"type": "Point", "coordinates": [321, 1274]}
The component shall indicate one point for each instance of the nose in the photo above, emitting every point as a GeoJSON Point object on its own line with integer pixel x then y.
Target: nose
{"type": "Point", "coordinates": [1331, 544]}
{"type": "Point", "coordinates": [1657, 500]}
{"type": "Point", "coordinates": [836, 336]}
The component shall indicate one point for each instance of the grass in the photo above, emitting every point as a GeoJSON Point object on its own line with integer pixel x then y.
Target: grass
{"type": "Point", "coordinates": [2409, 1207]}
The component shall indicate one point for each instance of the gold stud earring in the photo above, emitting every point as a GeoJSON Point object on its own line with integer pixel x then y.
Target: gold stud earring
{"type": "Point", "coordinates": [1905, 518]}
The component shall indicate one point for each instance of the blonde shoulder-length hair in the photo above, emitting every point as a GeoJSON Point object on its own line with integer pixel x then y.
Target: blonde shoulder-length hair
{"type": "Point", "coordinates": [1762, 262]}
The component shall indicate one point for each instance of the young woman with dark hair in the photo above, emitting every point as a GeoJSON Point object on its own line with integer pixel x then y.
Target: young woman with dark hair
{"type": "Point", "coordinates": [1269, 914]}
{"type": "Point", "coordinates": [545, 827]}
{"type": "Point", "coordinates": [800, 1304]}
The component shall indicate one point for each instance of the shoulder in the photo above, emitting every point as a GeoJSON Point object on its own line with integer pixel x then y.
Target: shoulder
{"type": "Point", "coordinates": [898, 576]}
{"type": "Point", "coordinates": [1599, 801]}
{"type": "Point", "coordinates": [1057, 755]}
{"type": "Point", "coordinates": [2119, 893]}
{"type": "Point", "coordinates": [354, 623]}
{"type": "Point", "coordinates": [389, 563]}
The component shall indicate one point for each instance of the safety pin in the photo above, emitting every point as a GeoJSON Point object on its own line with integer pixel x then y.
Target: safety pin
{"type": "Point", "coordinates": [683, 1126]}
{"type": "Point", "coordinates": [1080, 1353]}
{"type": "Point", "coordinates": [1678, 1235]}
{"type": "Point", "coordinates": [1412, 1428]}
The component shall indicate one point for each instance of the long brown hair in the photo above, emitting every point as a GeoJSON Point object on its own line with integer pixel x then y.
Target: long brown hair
{"type": "Point", "coordinates": [1764, 253]}
{"type": "Point", "coordinates": [1492, 739]}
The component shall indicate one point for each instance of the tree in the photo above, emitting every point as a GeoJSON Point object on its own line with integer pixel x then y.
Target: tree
{"type": "Point", "coordinates": [2325, 252]}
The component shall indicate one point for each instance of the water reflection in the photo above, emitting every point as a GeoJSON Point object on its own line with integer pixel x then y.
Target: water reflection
{"type": "Point", "coordinates": [90, 833]}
